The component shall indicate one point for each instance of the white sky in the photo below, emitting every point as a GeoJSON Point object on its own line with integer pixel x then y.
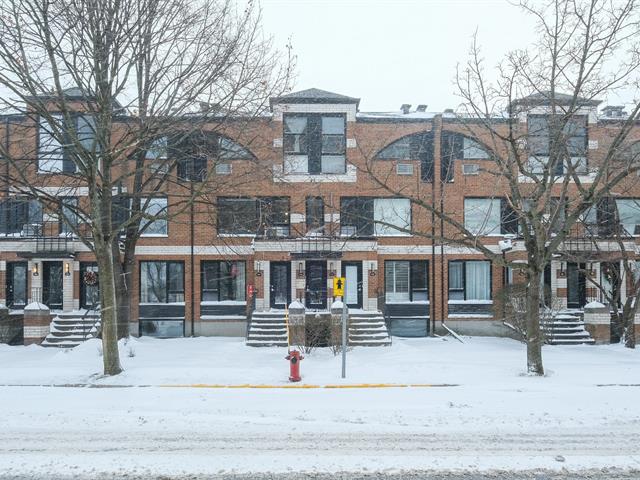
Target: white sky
{"type": "Point", "coordinates": [390, 52]}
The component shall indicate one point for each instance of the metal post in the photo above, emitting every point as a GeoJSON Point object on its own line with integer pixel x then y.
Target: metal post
{"type": "Point", "coordinates": [344, 338]}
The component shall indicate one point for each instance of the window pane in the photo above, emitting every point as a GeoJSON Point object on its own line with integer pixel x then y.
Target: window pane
{"type": "Point", "coordinates": [87, 132]}
{"type": "Point", "coordinates": [400, 150]}
{"type": "Point", "coordinates": [482, 215]}
{"type": "Point", "coordinates": [455, 275]}
{"type": "Point", "coordinates": [296, 164]}
{"type": "Point", "coordinates": [50, 150]}
{"type": "Point", "coordinates": [237, 215]}
{"type": "Point", "coordinates": [419, 283]}
{"type": "Point", "coordinates": [295, 124]}
{"type": "Point", "coordinates": [157, 149]}
{"type": "Point", "coordinates": [153, 282]}
{"type": "Point", "coordinates": [333, 164]}
{"type": "Point", "coordinates": [478, 280]}
{"type": "Point", "coordinates": [333, 125]}
{"type": "Point", "coordinates": [392, 212]}
{"type": "Point", "coordinates": [472, 149]}
{"type": "Point", "coordinates": [176, 282]}
{"type": "Point", "coordinates": [397, 281]}
{"type": "Point", "coordinates": [295, 143]}
{"type": "Point", "coordinates": [156, 207]}
{"type": "Point", "coordinates": [629, 215]}
{"type": "Point", "coordinates": [333, 144]}
{"type": "Point", "coordinates": [315, 213]}
{"type": "Point", "coordinates": [69, 217]}
{"type": "Point", "coordinates": [232, 150]}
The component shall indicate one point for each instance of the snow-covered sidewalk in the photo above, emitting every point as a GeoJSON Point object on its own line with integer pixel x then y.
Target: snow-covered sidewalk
{"type": "Point", "coordinates": [584, 414]}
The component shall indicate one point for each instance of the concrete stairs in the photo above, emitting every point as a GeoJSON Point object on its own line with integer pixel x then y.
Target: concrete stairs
{"type": "Point", "coordinates": [268, 329]}
{"type": "Point", "coordinates": [566, 329]}
{"type": "Point", "coordinates": [70, 329]}
{"type": "Point", "coordinates": [368, 329]}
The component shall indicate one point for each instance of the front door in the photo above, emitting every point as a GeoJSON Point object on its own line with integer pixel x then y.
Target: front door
{"type": "Point", "coordinates": [576, 285]}
{"type": "Point", "coordinates": [16, 285]}
{"type": "Point", "coordinates": [316, 279]}
{"type": "Point", "coordinates": [280, 285]}
{"type": "Point", "coordinates": [52, 285]}
{"type": "Point", "coordinates": [352, 273]}
{"type": "Point", "coordinates": [89, 289]}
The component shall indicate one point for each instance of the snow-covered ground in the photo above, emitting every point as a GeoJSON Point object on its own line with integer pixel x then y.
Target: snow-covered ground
{"type": "Point", "coordinates": [585, 414]}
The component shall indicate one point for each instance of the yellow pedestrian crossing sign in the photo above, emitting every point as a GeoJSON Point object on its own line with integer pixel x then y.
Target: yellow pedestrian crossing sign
{"type": "Point", "coordinates": [338, 286]}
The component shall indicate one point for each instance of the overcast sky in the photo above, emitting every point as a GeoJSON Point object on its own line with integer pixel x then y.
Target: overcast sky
{"type": "Point", "coordinates": [390, 52]}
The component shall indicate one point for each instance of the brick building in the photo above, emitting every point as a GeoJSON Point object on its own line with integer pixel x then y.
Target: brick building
{"type": "Point", "coordinates": [316, 209]}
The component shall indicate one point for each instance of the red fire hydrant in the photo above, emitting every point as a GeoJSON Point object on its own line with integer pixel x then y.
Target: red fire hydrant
{"type": "Point", "coordinates": [294, 358]}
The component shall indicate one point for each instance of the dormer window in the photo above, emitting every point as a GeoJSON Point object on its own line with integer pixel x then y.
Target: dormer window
{"type": "Point", "coordinates": [314, 144]}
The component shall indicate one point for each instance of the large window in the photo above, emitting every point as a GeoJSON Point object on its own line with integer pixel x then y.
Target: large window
{"type": "Point", "coordinates": [223, 281]}
{"type": "Point", "coordinates": [412, 147]}
{"type": "Point", "coordinates": [155, 207]}
{"type": "Point", "coordinates": [367, 216]}
{"type": "Point", "coordinates": [19, 215]}
{"type": "Point", "coordinates": [489, 216]}
{"type": "Point", "coordinates": [52, 155]}
{"type": "Point", "coordinates": [268, 216]}
{"type": "Point", "coordinates": [161, 282]}
{"type": "Point", "coordinates": [406, 281]}
{"type": "Point", "coordinates": [567, 139]}
{"type": "Point", "coordinates": [469, 280]}
{"type": "Point", "coordinates": [314, 144]}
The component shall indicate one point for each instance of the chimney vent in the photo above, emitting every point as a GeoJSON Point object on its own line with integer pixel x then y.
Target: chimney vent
{"type": "Point", "coordinates": [405, 107]}
{"type": "Point", "coordinates": [421, 108]}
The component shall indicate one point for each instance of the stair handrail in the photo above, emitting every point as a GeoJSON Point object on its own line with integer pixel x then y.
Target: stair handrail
{"type": "Point", "coordinates": [94, 309]}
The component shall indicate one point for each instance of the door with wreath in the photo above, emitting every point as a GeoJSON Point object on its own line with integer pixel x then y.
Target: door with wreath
{"type": "Point", "coordinates": [89, 288]}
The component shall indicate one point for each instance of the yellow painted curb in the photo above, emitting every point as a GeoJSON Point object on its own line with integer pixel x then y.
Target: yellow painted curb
{"type": "Point", "coordinates": [311, 386]}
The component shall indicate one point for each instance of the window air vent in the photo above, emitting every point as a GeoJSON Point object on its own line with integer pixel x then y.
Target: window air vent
{"type": "Point", "coordinates": [470, 169]}
{"type": "Point", "coordinates": [404, 169]}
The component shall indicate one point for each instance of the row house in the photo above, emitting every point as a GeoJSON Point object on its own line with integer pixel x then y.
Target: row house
{"type": "Point", "coordinates": [321, 206]}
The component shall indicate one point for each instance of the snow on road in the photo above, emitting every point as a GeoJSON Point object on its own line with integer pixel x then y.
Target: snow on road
{"type": "Point", "coordinates": [583, 415]}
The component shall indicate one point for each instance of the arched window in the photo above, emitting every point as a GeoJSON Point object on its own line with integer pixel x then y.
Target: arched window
{"type": "Point", "coordinates": [418, 146]}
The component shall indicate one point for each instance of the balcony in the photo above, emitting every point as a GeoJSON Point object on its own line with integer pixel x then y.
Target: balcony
{"type": "Point", "coordinates": [314, 246]}
{"type": "Point", "coordinates": [43, 240]}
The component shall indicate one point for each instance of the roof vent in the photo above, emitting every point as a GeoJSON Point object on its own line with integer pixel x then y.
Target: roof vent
{"type": "Point", "coordinates": [421, 108]}
{"type": "Point", "coordinates": [614, 111]}
{"type": "Point", "coordinates": [405, 107]}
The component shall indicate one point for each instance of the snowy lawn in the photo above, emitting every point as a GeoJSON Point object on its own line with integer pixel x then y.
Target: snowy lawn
{"type": "Point", "coordinates": [583, 415]}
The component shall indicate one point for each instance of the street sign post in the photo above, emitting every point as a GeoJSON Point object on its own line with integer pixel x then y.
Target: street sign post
{"type": "Point", "coordinates": [344, 338]}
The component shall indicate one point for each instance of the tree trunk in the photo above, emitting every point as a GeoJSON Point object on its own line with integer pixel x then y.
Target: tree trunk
{"type": "Point", "coordinates": [534, 333]}
{"type": "Point", "coordinates": [630, 329]}
{"type": "Point", "coordinates": [123, 275]}
{"type": "Point", "coordinates": [108, 310]}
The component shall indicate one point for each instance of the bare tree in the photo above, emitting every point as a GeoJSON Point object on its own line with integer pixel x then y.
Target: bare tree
{"type": "Point", "coordinates": [586, 48]}
{"type": "Point", "coordinates": [104, 85]}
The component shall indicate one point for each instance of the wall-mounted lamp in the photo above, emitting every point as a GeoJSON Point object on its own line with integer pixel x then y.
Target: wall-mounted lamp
{"type": "Point", "coordinates": [372, 269]}
{"type": "Point", "coordinates": [67, 269]}
{"type": "Point", "coordinates": [300, 271]}
{"type": "Point", "coordinates": [592, 270]}
{"type": "Point", "coordinates": [562, 273]}
{"type": "Point", "coordinates": [259, 269]}
{"type": "Point", "coordinates": [332, 270]}
{"type": "Point", "coordinates": [34, 270]}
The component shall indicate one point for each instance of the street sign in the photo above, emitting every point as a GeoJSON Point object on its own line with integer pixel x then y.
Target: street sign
{"type": "Point", "coordinates": [338, 286]}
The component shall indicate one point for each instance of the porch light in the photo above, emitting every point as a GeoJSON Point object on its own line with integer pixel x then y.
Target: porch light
{"type": "Point", "coordinates": [300, 271]}
{"type": "Point", "coordinates": [332, 270]}
{"type": "Point", "coordinates": [34, 270]}
{"type": "Point", "coordinates": [372, 269]}
{"type": "Point", "coordinates": [562, 273]}
{"type": "Point", "coordinates": [67, 269]}
{"type": "Point", "coordinates": [259, 269]}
